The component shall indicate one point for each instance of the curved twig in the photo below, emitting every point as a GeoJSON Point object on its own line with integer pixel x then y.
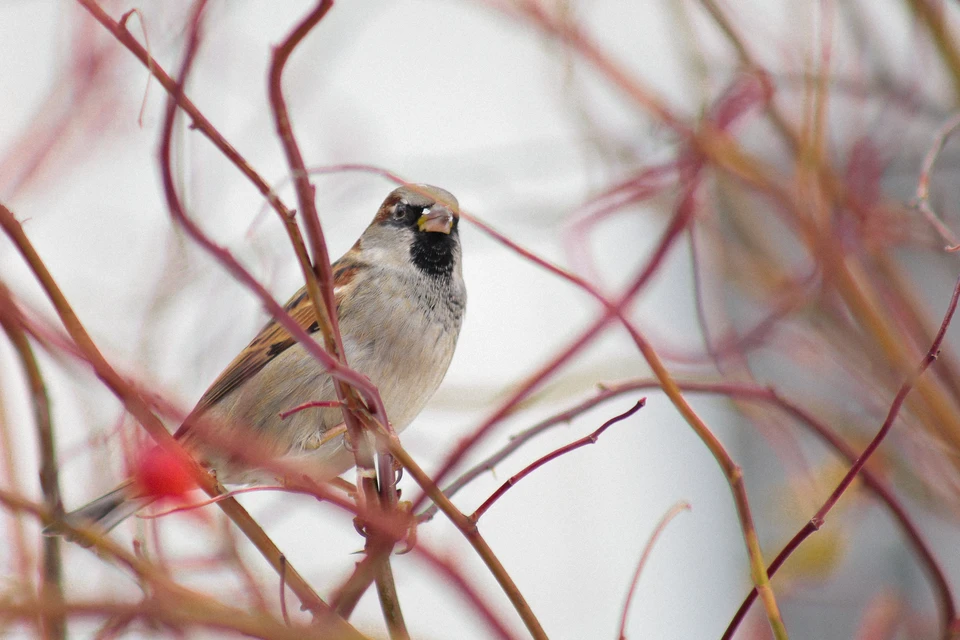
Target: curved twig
{"type": "Point", "coordinates": [674, 511]}
{"type": "Point", "coordinates": [556, 453]}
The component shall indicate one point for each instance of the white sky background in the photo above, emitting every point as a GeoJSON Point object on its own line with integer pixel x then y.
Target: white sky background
{"type": "Point", "coordinates": [447, 93]}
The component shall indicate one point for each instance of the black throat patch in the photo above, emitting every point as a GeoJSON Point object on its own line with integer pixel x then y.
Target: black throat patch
{"type": "Point", "coordinates": [433, 253]}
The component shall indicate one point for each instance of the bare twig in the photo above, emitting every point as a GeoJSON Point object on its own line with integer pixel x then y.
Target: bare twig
{"type": "Point", "coordinates": [183, 604]}
{"type": "Point", "coordinates": [283, 590]}
{"type": "Point", "coordinates": [674, 511]}
{"type": "Point", "coordinates": [309, 405]}
{"type": "Point", "coordinates": [922, 201]}
{"type": "Point", "coordinates": [19, 549]}
{"type": "Point", "coordinates": [576, 444]}
{"type": "Point", "coordinates": [146, 41]}
{"type": "Point", "coordinates": [51, 589]}
{"type": "Point", "coordinates": [139, 407]}
{"type": "Point", "coordinates": [746, 393]}
{"type": "Point", "coordinates": [469, 530]}
{"type": "Point", "coordinates": [389, 600]}
{"type": "Point", "coordinates": [819, 517]}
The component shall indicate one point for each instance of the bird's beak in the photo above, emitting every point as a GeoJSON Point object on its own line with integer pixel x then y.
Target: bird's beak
{"type": "Point", "coordinates": [437, 218]}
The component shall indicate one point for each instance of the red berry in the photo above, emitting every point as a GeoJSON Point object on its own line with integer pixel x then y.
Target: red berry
{"type": "Point", "coordinates": [160, 475]}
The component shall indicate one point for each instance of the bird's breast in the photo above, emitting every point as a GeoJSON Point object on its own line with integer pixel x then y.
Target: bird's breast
{"type": "Point", "coordinates": [402, 336]}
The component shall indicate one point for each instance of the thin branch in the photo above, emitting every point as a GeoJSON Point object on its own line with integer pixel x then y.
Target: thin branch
{"type": "Point", "coordinates": [469, 530]}
{"type": "Point", "coordinates": [381, 547]}
{"type": "Point", "coordinates": [553, 455]}
{"type": "Point", "coordinates": [301, 179]}
{"type": "Point", "coordinates": [319, 283]}
{"type": "Point", "coordinates": [146, 41]}
{"type": "Point", "coordinates": [283, 590]}
{"type": "Point", "coordinates": [674, 511]}
{"type": "Point", "coordinates": [389, 525]}
{"type": "Point", "coordinates": [51, 589]}
{"type": "Point", "coordinates": [317, 404]}
{"type": "Point", "coordinates": [922, 201]}
{"type": "Point", "coordinates": [515, 442]}
{"type": "Point", "coordinates": [744, 393]}
{"type": "Point", "coordinates": [199, 122]}
{"type": "Point", "coordinates": [224, 496]}
{"type": "Point", "coordinates": [685, 212]}
{"type": "Point", "coordinates": [187, 605]}
{"type": "Point", "coordinates": [390, 601]}
{"type": "Point", "coordinates": [819, 517]}
{"type": "Point", "coordinates": [139, 407]}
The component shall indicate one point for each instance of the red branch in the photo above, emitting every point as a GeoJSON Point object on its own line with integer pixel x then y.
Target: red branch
{"type": "Point", "coordinates": [553, 455]}
{"type": "Point", "coordinates": [613, 310]}
{"type": "Point", "coordinates": [224, 257]}
{"type": "Point", "coordinates": [305, 190]}
{"type": "Point", "coordinates": [820, 516]}
{"type": "Point", "coordinates": [742, 393]}
{"type": "Point", "coordinates": [310, 405]}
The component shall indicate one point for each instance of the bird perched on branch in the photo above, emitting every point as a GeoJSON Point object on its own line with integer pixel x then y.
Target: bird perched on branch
{"type": "Point", "coordinates": [400, 301]}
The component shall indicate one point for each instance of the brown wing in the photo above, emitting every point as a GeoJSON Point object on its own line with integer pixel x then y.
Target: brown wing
{"type": "Point", "coordinates": [272, 340]}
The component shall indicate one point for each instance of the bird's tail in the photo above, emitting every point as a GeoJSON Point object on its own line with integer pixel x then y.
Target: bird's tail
{"type": "Point", "coordinates": [105, 512]}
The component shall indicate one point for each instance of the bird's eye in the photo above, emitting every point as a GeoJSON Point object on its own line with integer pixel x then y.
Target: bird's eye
{"type": "Point", "coordinates": [400, 211]}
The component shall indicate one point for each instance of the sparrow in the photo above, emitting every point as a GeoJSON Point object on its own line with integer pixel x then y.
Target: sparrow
{"type": "Point", "coordinates": [400, 300]}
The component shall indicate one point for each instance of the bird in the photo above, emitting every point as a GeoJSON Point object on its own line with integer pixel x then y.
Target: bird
{"type": "Point", "coordinates": [400, 300]}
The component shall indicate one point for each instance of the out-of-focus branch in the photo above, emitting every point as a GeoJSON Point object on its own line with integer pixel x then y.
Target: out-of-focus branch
{"type": "Point", "coordinates": [198, 120]}
{"type": "Point", "coordinates": [182, 602]}
{"type": "Point", "coordinates": [922, 201]}
{"type": "Point", "coordinates": [19, 550]}
{"type": "Point", "coordinates": [820, 516]}
{"type": "Point", "coordinates": [140, 409]}
{"type": "Point", "coordinates": [752, 394]}
{"type": "Point", "coordinates": [616, 310]}
{"type": "Point", "coordinates": [51, 588]}
{"type": "Point", "coordinates": [845, 273]}
{"type": "Point", "coordinates": [684, 214]}
{"type": "Point", "coordinates": [932, 14]}
{"type": "Point", "coordinates": [674, 511]}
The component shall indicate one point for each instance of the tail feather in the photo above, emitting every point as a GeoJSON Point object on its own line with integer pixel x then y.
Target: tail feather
{"type": "Point", "coordinates": [106, 512]}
